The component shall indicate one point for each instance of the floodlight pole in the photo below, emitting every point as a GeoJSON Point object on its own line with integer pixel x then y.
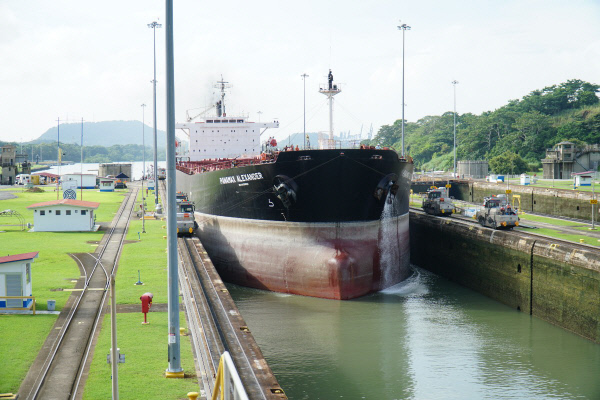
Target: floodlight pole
{"type": "Point", "coordinates": [157, 207]}
{"type": "Point", "coordinates": [304, 76]}
{"type": "Point", "coordinates": [144, 167]}
{"type": "Point", "coordinates": [59, 157]}
{"type": "Point", "coordinates": [454, 83]}
{"type": "Point", "coordinates": [174, 352]}
{"type": "Point", "coordinates": [403, 28]}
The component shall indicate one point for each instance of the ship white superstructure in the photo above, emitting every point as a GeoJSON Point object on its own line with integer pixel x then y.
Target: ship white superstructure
{"type": "Point", "coordinates": [223, 136]}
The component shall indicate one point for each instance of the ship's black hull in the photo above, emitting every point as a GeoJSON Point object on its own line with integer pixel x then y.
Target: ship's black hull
{"type": "Point", "coordinates": [310, 223]}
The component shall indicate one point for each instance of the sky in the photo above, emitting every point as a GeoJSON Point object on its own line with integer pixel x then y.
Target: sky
{"type": "Point", "coordinates": [94, 60]}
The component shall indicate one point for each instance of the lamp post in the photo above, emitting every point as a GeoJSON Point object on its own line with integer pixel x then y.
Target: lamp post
{"type": "Point", "coordinates": [174, 352]}
{"type": "Point", "coordinates": [157, 207]}
{"type": "Point", "coordinates": [403, 28]}
{"type": "Point", "coordinates": [593, 228]}
{"type": "Point", "coordinates": [304, 76]}
{"type": "Point", "coordinates": [454, 83]}
{"type": "Point", "coordinates": [144, 168]}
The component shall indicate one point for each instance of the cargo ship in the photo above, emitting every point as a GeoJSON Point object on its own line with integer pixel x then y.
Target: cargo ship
{"type": "Point", "coordinates": [328, 222]}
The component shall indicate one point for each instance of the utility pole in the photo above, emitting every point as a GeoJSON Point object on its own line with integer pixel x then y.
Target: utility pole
{"type": "Point", "coordinates": [81, 163]}
{"type": "Point", "coordinates": [174, 352]}
{"type": "Point", "coordinates": [157, 206]}
{"type": "Point", "coordinates": [304, 76]}
{"type": "Point", "coordinates": [403, 28]}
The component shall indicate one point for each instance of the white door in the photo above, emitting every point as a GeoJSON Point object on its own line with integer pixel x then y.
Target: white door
{"type": "Point", "coordinates": [14, 287]}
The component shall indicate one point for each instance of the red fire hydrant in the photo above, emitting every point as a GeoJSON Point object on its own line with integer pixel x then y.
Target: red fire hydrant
{"type": "Point", "coordinates": [146, 299]}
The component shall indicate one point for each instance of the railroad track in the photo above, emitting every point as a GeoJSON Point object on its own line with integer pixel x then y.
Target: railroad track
{"type": "Point", "coordinates": [515, 231]}
{"type": "Point", "coordinates": [61, 373]}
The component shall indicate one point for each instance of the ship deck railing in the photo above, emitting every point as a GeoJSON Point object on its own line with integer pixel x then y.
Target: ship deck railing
{"type": "Point", "coordinates": [197, 167]}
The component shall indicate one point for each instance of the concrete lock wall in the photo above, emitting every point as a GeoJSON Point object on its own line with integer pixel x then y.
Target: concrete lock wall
{"type": "Point", "coordinates": [559, 283]}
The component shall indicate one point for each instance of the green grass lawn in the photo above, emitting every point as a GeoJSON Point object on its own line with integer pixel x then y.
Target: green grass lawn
{"type": "Point", "coordinates": [549, 220]}
{"type": "Point", "coordinates": [568, 237]}
{"type": "Point", "coordinates": [145, 346]}
{"type": "Point", "coordinates": [142, 376]}
{"type": "Point", "coordinates": [53, 269]}
{"type": "Point", "coordinates": [149, 257]}
{"type": "Point", "coordinates": [22, 338]}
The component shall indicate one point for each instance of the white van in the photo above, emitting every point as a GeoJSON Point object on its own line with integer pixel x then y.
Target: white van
{"type": "Point", "coordinates": [23, 179]}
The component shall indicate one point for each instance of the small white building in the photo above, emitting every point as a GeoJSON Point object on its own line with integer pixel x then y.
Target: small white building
{"type": "Point", "coordinates": [89, 180]}
{"type": "Point", "coordinates": [583, 178]}
{"type": "Point", "coordinates": [64, 215]}
{"type": "Point", "coordinates": [107, 184]}
{"type": "Point", "coordinates": [15, 280]}
{"type": "Point", "coordinates": [525, 179]}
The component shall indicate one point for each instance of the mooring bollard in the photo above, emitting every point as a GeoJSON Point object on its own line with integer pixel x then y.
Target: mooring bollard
{"type": "Point", "coordinates": [192, 395]}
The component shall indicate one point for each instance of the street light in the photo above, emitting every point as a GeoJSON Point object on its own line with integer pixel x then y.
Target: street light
{"type": "Point", "coordinates": [157, 207]}
{"type": "Point", "coordinates": [454, 83]}
{"type": "Point", "coordinates": [144, 168]}
{"type": "Point", "coordinates": [403, 28]}
{"type": "Point", "coordinates": [304, 76]}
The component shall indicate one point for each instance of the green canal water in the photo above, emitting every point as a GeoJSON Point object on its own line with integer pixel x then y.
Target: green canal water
{"type": "Point", "coordinates": [426, 338]}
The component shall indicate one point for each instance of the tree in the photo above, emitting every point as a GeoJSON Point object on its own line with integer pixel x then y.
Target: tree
{"type": "Point", "coordinates": [508, 163]}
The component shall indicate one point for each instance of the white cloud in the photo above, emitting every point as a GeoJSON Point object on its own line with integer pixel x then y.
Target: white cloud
{"type": "Point", "coordinates": [94, 60]}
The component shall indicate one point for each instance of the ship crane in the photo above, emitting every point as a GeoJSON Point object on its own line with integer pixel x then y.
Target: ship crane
{"type": "Point", "coordinates": [203, 113]}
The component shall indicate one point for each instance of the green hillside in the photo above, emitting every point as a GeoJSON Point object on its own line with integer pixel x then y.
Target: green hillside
{"type": "Point", "coordinates": [521, 130]}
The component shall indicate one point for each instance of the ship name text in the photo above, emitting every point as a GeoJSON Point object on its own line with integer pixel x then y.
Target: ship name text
{"type": "Point", "coordinates": [241, 178]}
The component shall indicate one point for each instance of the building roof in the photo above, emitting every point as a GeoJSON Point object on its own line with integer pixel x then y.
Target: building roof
{"type": "Point", "coordinates": [586, 173]}
{"type": "Point", "coordinates": [77, 173]}
{"type": "Point", "coordinates": [66, 202]}
{"type": "Point", "coordinates": [19, 257]}
{"type": "Point", "coordinates": [122, 176]}
{"type": "Point", "coordinates": [47, 174]}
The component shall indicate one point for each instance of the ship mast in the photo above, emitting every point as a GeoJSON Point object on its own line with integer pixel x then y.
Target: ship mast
{"type": "Point", "coordinates": [221, 103]}
{"type": "Point", "coordinates": [330, 90]}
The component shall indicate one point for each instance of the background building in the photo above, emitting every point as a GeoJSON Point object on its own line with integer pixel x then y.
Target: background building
{"type": "Point", "coordinates": [472, 169]}
{"type": "Point", "coordinates": [565, 158]}
{"type": "Point", "coordinates": [114, 169]}
{"type": "Point", "coordinates": [64, 216]}
{"type": "Point", "coordinates": [15, 280]}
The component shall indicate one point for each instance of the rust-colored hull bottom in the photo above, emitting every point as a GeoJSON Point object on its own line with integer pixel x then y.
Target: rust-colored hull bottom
{"type": "Point", "coordinates": [329, 260]}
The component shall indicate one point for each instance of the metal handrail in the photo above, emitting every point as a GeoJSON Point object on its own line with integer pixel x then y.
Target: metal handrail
{"type": "Point", "coordinates": [228, 382]}
{"type": "Point", "coordinates": [20, 308]}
